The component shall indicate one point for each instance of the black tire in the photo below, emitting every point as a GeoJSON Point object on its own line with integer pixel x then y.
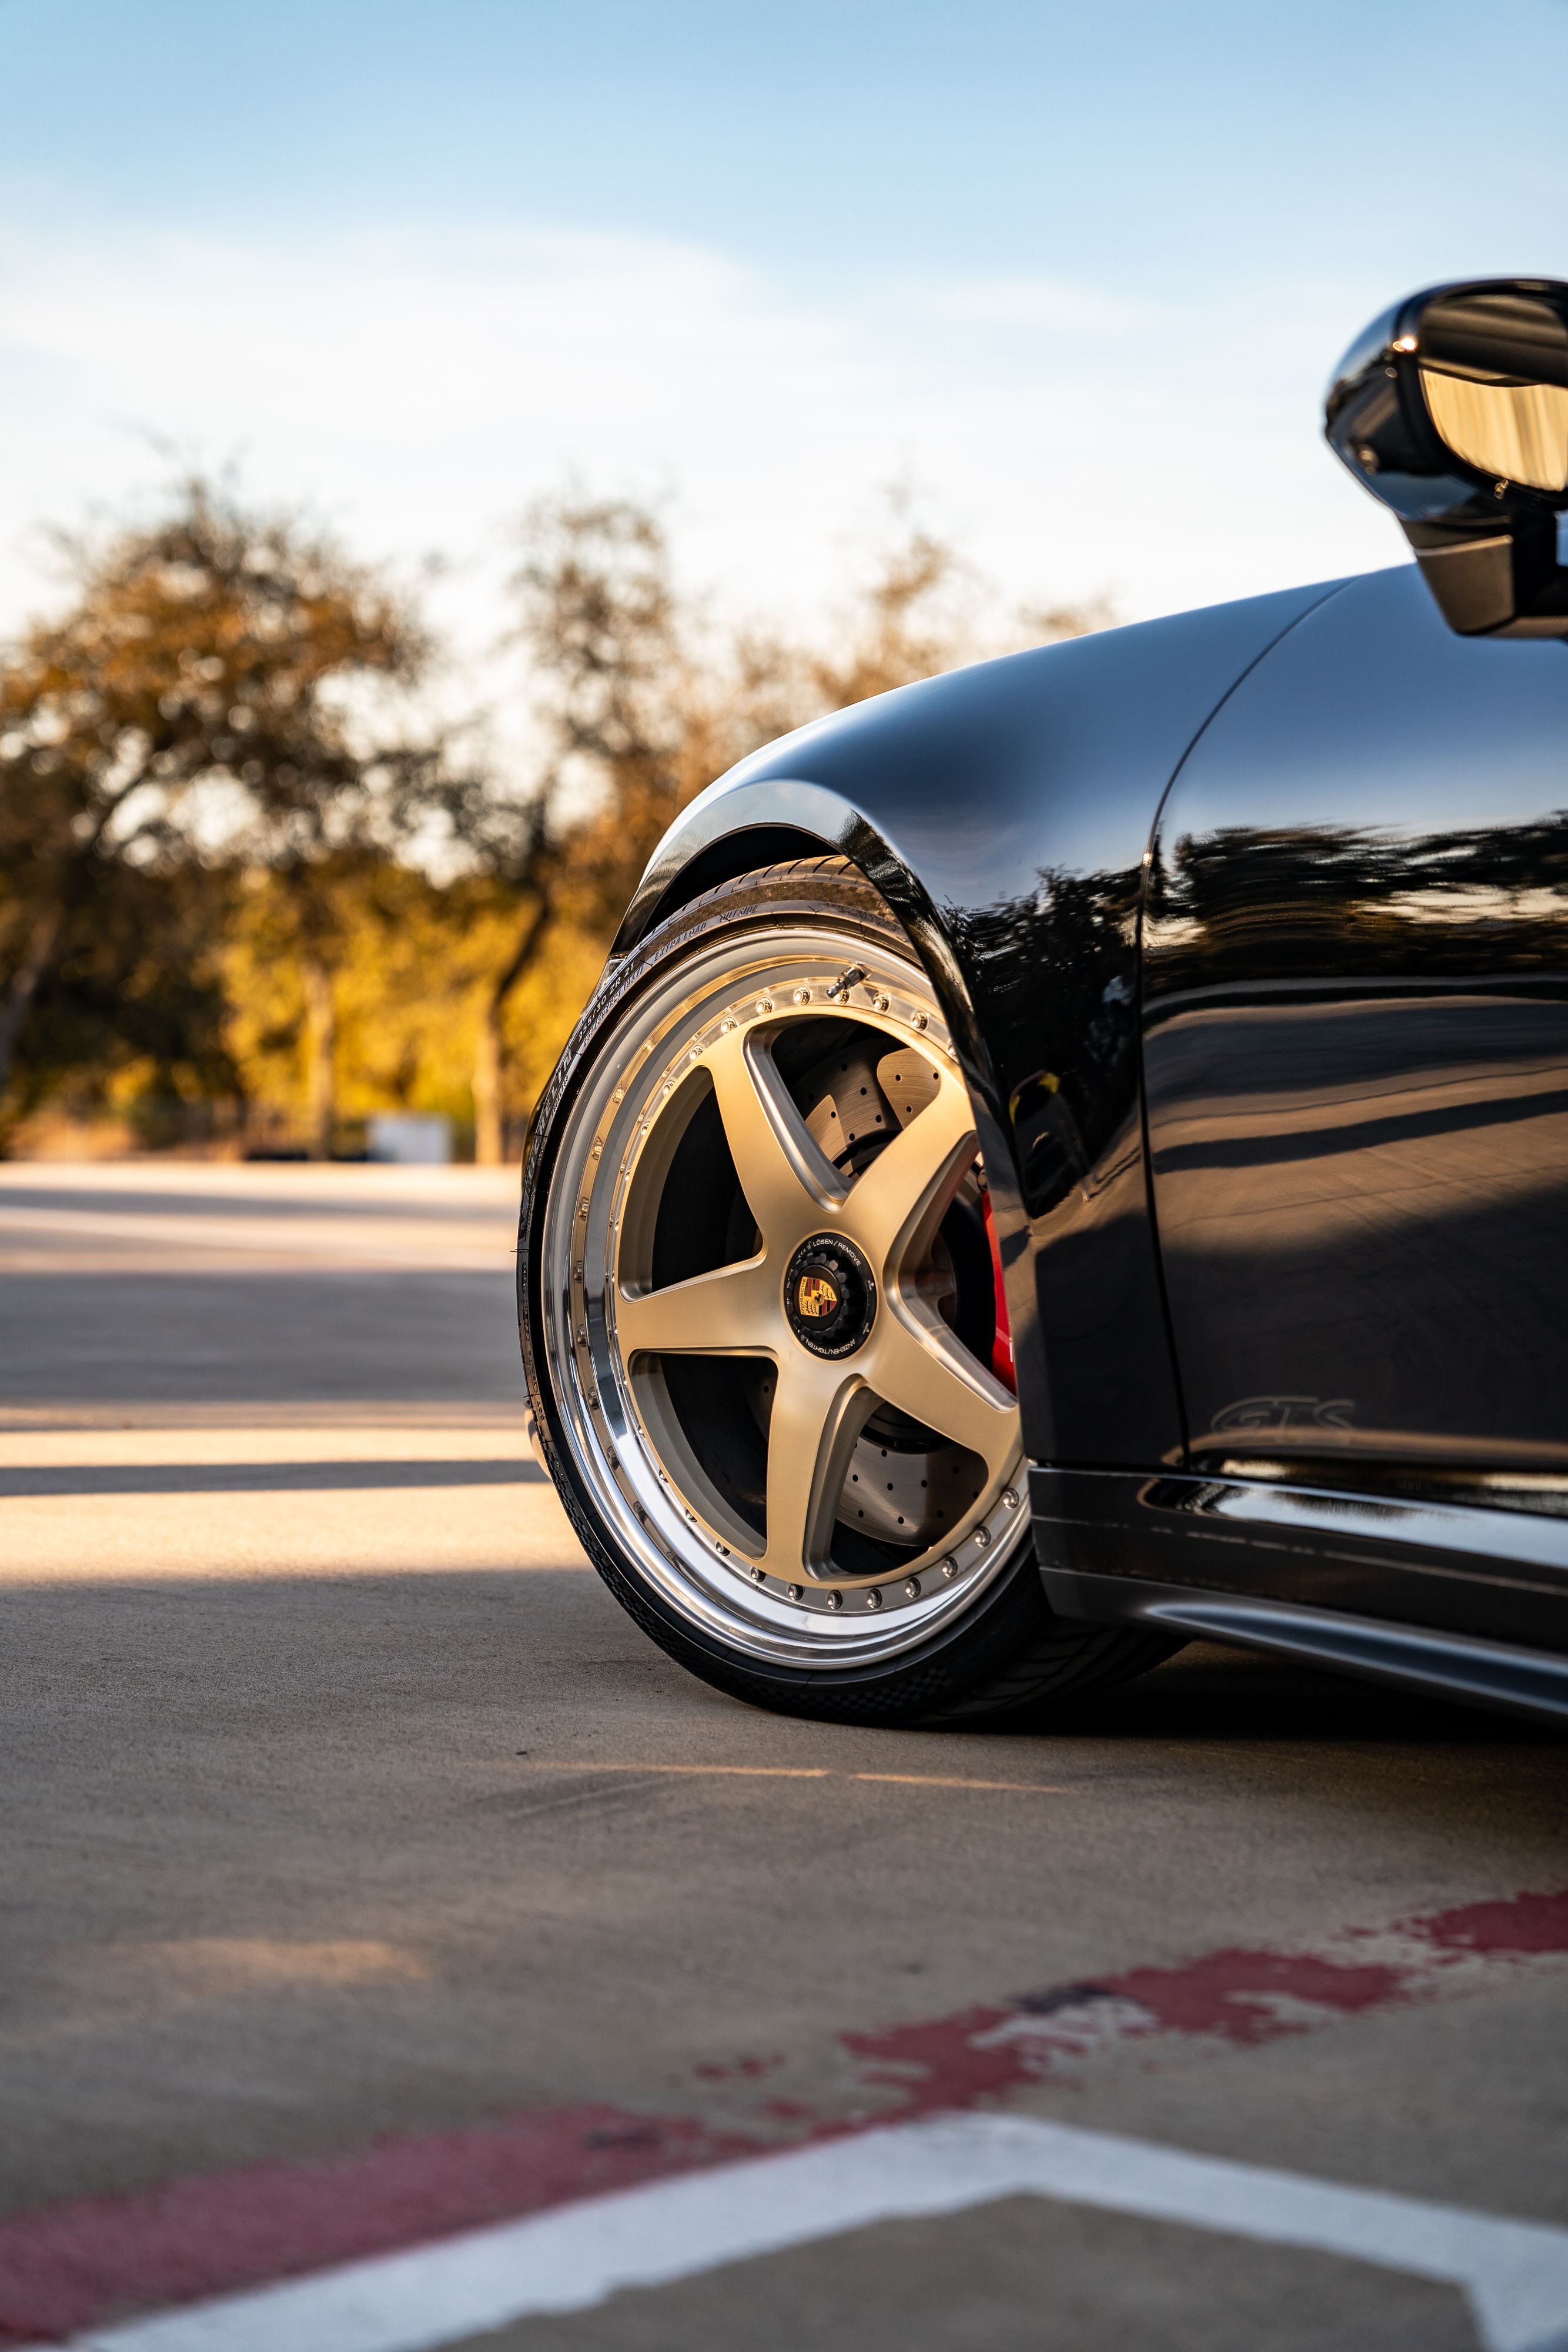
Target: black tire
{"type": "Point", "coordinates": [1006, 1651]}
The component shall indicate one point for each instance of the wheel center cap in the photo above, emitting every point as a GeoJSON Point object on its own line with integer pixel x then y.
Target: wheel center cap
{"type": "Point", "coordinates": [830, 1296]}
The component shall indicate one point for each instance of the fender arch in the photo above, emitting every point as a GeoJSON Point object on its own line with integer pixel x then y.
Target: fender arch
{"type": "Point", "coordinates": [1004, 810]}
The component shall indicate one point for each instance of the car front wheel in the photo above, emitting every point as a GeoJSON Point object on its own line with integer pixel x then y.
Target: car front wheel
{"type": "Point", "coordinates": [766, 1348]}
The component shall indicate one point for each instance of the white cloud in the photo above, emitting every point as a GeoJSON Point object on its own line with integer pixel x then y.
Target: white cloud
{"type": "Point", "coordinates": [1016, 300]}
{"type": "Point", "coordinates": [419, 388]}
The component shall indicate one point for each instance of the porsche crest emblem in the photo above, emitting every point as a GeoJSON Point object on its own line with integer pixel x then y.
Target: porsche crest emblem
{"type": "Point", "coordinates": [815, 1296]}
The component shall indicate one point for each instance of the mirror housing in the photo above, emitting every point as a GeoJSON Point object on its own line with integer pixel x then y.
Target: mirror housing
{"type": "Point", "coordinates": [1452, 409]}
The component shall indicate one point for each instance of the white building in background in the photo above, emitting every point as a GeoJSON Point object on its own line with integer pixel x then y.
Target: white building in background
{"type": "Point", "coordinates": [415, 1139]}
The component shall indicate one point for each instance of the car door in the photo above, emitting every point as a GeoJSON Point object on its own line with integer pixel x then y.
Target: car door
{"type": "Point", "coordinates": [1355, 1039]}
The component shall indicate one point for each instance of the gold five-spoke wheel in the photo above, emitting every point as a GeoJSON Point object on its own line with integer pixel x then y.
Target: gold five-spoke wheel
{"type": "Point", "coordinates": [902, 1353]}
{"type": "Point", "coordinates": [764, 1321]}
{"type": "Point", "coordinates": [772, 1303]}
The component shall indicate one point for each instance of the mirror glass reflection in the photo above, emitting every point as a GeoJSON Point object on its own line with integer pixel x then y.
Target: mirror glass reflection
{"type": "Point", "coordinates": [1517, 431]}
{"type": "Point", "coordinates": [1494, 372]}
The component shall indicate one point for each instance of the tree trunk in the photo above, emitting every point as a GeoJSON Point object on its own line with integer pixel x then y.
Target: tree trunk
{"type": "Point", "coordinates": [25, 987]}
{"type": "Point", "coordinates": [489, 1141]}
{"type": "Point", "coordinates": [320, 1053]}
{"type": "Point", "coordinates": [489, 1150]}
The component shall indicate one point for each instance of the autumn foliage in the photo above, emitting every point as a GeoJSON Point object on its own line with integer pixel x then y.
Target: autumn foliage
{"type": "Point", "coordinates": [250, 892]}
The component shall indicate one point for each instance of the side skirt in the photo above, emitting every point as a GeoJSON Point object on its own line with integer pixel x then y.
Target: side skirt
{"type": "Point", "coordinates": [1330, 1577]}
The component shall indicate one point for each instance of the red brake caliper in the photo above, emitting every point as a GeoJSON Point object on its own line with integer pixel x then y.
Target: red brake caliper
{"type": "Point", "coordinates": [1002, 1345]}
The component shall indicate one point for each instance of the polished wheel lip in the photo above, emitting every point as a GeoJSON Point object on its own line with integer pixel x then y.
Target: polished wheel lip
{"type": "Point", "coordinates": [709, 1566]}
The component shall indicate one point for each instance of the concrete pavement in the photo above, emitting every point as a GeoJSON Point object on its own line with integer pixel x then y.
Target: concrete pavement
{"type": "Point", "coordinates": [341, 1801]}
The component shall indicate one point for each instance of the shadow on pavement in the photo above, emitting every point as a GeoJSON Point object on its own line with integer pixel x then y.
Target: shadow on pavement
{"type": "Point", "coordinates": [1209, 1694]}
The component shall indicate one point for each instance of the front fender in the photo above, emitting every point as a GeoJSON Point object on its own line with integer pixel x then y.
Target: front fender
{"type": "Point", "coordinates": [1004, 810]}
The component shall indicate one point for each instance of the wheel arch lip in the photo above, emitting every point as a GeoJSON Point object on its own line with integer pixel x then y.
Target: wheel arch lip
{"type": "Point", "coordinates": [1003, 811]}
{"type": "Point", "coordinates": [739, 823]}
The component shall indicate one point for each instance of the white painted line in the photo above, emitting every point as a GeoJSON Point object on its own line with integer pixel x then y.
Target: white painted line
{"type": "Point", "coordinates": [213, 1445]}
{"type": "Point", "coordinates": [442, 1245]}
{"type": "Point", "coordinates": [1515, 2273]}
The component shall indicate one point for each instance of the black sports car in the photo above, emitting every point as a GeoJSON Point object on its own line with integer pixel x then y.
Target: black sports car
{"type": "Point", "coordinates": [1073, 1155]}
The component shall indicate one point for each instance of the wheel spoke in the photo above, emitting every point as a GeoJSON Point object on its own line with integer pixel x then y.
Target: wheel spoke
{"type": "Point", "coordinates": [787, 1181]}
{"type": "Point", "coordinates": [919, 1366]}
{"type": "Point", "coordinates": [732, 1311]}
{"type": "Point", "coordinates": [898, 1204]}
{"type": "Point", "coordinates": [819, 1410]}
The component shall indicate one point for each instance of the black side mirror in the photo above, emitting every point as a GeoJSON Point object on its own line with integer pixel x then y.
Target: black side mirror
{"type": "Point", "coordinates": [1452, 408]}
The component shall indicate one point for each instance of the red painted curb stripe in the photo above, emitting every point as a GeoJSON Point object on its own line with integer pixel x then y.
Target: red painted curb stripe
{"type": "Point", "coordinates": [79, 2264]}
{"type": "Point", "coordinates": [94, 2259]}
{"type": "Point", "coordinates": [1238, 1996]}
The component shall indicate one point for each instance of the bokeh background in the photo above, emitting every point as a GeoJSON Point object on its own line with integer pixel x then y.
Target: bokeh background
{"type": "Point", "coordinates": [438, 440]}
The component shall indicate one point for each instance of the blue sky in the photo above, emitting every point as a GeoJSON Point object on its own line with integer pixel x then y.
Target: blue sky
{"type": "Point", "coordinates": [1077, 272]}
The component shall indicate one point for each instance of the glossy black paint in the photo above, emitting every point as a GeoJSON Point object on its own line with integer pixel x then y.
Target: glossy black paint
{"type": "Point", "coordinates": [1508, 1676]}
{"type": "Point", "coordinates": [1251, 926]}
{"type": "Point", "coordinates": [1413, 1559]}
{"type": "Point", "coordinates": [1004, 812]}
{"type": "Point", "coordinates": [1355, 1006]}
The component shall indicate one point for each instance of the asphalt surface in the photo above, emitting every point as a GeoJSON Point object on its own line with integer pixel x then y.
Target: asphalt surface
{"type": "Point", "coordinates": [340, 1800]}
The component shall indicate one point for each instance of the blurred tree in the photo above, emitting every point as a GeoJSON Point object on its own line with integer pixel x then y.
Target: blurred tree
{"type": "Point", "coordinates": [1047, 624]}
{"type": "Point", "coordinates": [132, 1000]}
{"type": "Point", "coordinates": [201, 706]}
{"type": "Point", "coordinates": [922, 609]}
{"type": "Point", "coordinates": [231, 863]}
{"type": "Point", "coordinates": [527, 874]}
{"type": "Point", "coordinates": [615, 685]}
{"type": "Point", "coordinates": [636, 713]}
{"type": "Point", "coordinates": [911, 619]}
{"type": "Point", "coordinates": [614, 697]}
{"type": "Point", "coordinates": [512, 876]}
{"type": "Point", "coordinates": [641, 703]}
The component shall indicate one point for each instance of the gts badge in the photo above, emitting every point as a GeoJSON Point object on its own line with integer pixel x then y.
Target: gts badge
{"type": "Point", "coordinates": [816, 1297]}
{"type": "Point", "coordinates": [1276, 1414]}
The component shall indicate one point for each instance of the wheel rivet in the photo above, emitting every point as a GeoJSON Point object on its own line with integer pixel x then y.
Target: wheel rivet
{"type": "Point", "coordinates": [802, 996]}
{"type": "Point", "coordinates": [596, 1150]}
{"type": "Point", "coordinates": [765, 1004]}
{"type": "Point", "coordinates": [1010, 1499]}
{"type": "Point", "coordinates": [758, 1575]}
{"type": "Point", "coordinates": [724, 1027]}
{"type": "Point", "coordinates": [912, 1589]}
{"type": "Point", "coordinates": [920, 1021]}
{"type": "Point", "coordinates": [794, 1592]}
{"type": "Point", "coordinates": [982, 1537]}
{"type": "Point", "coordinates": [874, 1599]}
{"type": "Point", "coordinates": [835, 1599]}
{"type": "Point", "coordinates": [949, 1568]}
{"type": "Point", "coordinates": [882, 1004]}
